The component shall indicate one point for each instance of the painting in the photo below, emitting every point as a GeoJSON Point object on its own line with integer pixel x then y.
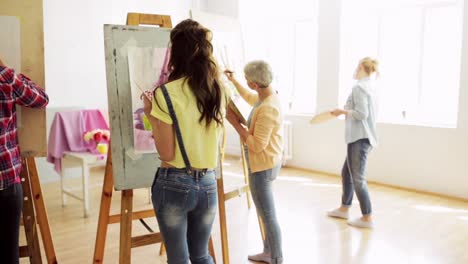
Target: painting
{"type": "Point", "coordinates": [133, 161]}
{"type": "Point", "coordinates": [147, 70]}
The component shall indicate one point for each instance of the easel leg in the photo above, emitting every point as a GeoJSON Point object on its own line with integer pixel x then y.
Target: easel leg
{"type": "Point", "coordinates": [29, 218]}
{"type": "Point", "coordinates": [262, 228]}
{"type": "Point", "coordinates": [162, 250]}
{"type": "Point", "coordinates": [41, 212]}
{"type": "Point", "coordinates": [221, 203]}
{"type": "Point", "coordinates": [222, 219]}
{"type": "Point", "coordinates": [126, 226]}
{"type": "Point", "coordinates": [246, 175]}
{"type": "Point", "coordinates": [211, 249]}
{"type": "Point", "coordinates": [103, 222]}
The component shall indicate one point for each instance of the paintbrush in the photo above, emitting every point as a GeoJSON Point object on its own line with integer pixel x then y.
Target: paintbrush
{"type": "Point", "coordinates": [146, 93]}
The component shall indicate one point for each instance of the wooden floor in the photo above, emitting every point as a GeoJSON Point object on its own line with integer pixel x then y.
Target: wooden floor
{"type": "Point", "coordinates": [410, 227]}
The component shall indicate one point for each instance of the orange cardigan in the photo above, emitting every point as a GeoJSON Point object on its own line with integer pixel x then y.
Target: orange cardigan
{"type": "Point", "coordinates": [265, 142]}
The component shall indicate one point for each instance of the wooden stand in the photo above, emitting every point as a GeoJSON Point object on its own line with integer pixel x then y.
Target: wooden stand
{"type": "Point", "coordinates": [127, 242]}
{"type": "Point", "coordinates": [223, 197]}
{"type": "Point", "coordinates": [126, 216]}
{"type": "Point", "coordinates": [33, 201]}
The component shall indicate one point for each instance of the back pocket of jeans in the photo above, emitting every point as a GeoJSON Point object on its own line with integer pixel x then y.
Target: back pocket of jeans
{"type": "Point", "coordinates": [174, 199]}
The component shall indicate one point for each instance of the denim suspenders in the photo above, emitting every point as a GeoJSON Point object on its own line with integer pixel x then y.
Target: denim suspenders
{"type": "Point", "coordinates": [170, 107]}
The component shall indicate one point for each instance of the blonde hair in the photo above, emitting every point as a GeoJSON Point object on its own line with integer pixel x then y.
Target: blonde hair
{"type": "Point", "coordinates": [370, 65]}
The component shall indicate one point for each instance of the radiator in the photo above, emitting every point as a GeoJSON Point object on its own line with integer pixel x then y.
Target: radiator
{"type": "Point", "coordinates": [287, 141]}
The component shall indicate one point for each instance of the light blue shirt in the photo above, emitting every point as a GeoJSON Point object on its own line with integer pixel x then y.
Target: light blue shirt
{"type": "Point", "coordinates": [361, 117]}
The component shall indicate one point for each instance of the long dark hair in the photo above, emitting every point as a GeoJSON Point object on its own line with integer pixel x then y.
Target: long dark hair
{"type": "Point", "coordinates": [192, 57]}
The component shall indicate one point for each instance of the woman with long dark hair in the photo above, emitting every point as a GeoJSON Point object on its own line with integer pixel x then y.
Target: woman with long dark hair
{"type": "Point", "coordinates": [186, 115]}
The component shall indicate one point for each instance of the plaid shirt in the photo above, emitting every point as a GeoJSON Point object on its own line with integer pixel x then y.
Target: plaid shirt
{"type": "Point", "coordinates": [14, 89]}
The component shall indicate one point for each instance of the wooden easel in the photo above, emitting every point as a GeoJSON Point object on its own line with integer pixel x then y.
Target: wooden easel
{"type": "Point", "coordinates": [223, 197]}
{"type": "Point", "coordinates": [127, 242]}
{"type": "Point", "coordinates": [34, 212]}
{"type": "Point", "coordinates": [126, 216]}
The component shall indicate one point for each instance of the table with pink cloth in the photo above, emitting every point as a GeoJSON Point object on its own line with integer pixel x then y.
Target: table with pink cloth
{"type": "Point", "coordinates": [66, 134]}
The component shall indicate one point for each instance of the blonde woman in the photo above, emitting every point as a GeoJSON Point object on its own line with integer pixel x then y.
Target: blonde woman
{"type": "Point", "coordinates": [262, 140]}
{"type": "Point", "coordinates": [361, 137]}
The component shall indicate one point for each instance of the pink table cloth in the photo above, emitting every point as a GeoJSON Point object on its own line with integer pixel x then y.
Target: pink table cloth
{"type": "Point", "coordinates": [67, 130]}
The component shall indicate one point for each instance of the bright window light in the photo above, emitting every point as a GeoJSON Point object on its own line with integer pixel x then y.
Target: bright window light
{"type": "Point", "coordinates": [285, 35]}
{"type": "Point", "coordinates": [418, 45]}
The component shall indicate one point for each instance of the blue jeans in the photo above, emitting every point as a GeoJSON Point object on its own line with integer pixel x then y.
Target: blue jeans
{"type": "Point", "coordinates": [262, 193]}
{"type": "Point", "coordinates": [185, 208]}
{"type": "Point", "coordinates": [353, 175]}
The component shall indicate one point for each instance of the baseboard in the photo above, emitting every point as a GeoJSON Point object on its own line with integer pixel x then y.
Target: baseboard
{"type": "Point", "coordinates": [441, 195]}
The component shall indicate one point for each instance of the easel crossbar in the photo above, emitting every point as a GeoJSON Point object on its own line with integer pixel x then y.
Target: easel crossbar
{"type": "Point", "coordinates": [236, 193]}
{"type": "Point", "coordinates": [148, 239]}
{"type": "Point", "coordinates": [136, 215]}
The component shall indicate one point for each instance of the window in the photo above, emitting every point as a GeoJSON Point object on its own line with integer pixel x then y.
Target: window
{"type": "Point", "coordinates": [418, 45]}
{"type": "Point", "coordinates": [285, 35]}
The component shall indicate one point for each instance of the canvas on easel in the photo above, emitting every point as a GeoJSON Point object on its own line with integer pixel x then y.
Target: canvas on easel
{"type": "Point", "coordinates": [123, 160]}
{"type": "Point", "coordinates": [132, 41]}
{"type": "Point", "coordinates": [226, 39]}
{"type": "Point", "coordinates": [10, 51]}
{"type": "Point", "coordinates": [131, 162]}
{"type": "Point", "coordinates": [228, 49]}
{"type": "Point", "coordinates": [25, 24]}
{"type": "Point", "coordinates": [147, 67]}
{"type": "Point", "coordinates": [240, 115]}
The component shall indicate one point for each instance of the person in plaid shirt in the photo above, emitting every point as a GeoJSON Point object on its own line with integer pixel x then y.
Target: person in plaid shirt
{"type": "Point", "coordinates": [14, 90]}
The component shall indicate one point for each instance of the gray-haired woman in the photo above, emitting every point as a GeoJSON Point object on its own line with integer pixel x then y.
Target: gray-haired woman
{"type": "Point", "coordinates": [263, 141]}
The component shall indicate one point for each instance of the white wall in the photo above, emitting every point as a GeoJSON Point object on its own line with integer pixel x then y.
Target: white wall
{"type": "Point", "coordinates": [424, 158]}
{"type": "Point", "coordinates": [74, 51]}
{"type": "Point", "coordinates": [222, 7]}
{"type": "Point", "coordinates": [430, 159]}
{"type": "Point", "coordinates": [74, 45]}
